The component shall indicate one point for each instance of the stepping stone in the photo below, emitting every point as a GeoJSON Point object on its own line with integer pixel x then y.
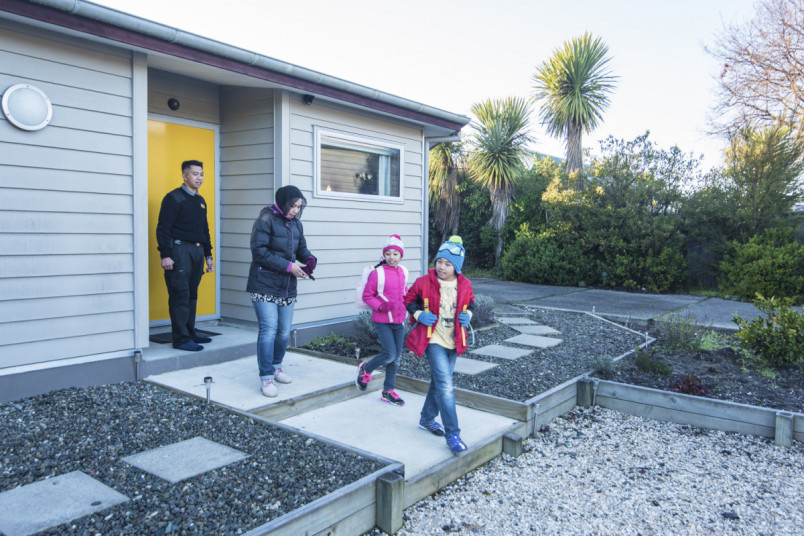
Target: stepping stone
{"type": "Point", "coordinates": [514, 320]}
{"type": "Point", "coordinates": [53, 501]}
{"type": "Point", "coordinates": [185, 459]}
{"type": "Point", "coordinates": [534, 340]}
{"type": "Point", "coordinates": [471, 367]}
{"type": "Point", "coordinates": [536, 330]}
{"type": "Point", "coordinates": [503, 352]}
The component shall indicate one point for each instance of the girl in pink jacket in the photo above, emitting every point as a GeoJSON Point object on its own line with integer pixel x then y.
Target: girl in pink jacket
{"type": "Point", "coordinates": [385, 294]}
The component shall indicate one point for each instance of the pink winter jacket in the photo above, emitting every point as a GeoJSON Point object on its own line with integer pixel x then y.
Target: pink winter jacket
{"type": "Point", "coordinates": [394, 293]}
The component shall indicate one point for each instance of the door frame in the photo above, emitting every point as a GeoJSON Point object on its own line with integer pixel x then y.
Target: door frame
{"type": "Point", "coordinates": [215, 128]}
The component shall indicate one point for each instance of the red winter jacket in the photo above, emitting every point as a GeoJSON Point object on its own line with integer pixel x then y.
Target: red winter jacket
{"type": "Point", "coordinates": [428, 286]}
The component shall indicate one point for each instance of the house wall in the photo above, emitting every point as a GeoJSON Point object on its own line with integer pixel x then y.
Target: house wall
{"type": "Point", "coordinates": [66, 202]}
{"type": "Point", "coordinates": [247, 185]}
{"type": "Point", "coordinates": [199, 101]}
{"type": "Point", "coordinates": [344, 235]}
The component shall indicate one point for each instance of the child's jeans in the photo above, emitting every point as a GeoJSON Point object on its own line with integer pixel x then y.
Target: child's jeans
{"type": "Point", "coordinates": [441, 394]}
{"type": "Point", "coordinates": [391, 336]}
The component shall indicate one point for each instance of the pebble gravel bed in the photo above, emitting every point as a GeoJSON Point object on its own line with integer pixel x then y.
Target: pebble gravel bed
{"type": "Point", "coordinates": [596, 471]}
{"type": "Point", "coordinates": [90, 429]}
{"type": "Point", "coordinates": [585, 339]}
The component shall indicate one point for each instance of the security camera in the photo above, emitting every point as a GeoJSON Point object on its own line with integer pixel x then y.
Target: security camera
{"type": "Point", "coordinates": [308, 99]}
{"type": "Point", "coordinates": [173, 104]}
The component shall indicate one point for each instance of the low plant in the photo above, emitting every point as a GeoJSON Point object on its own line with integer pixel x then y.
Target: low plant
{"type": "Point", "coordinates": [603, 365]}
{"type": "Point", "coordinates": [689, 384]}
{"type": "Point", "coordinates": [365, 333]}
{"type": "Point", "coordinates": [677, 332]}
{"type": "Point", "coordinates": [712, 341]}
{"type": "Point", "coordinates": [778, 337]}
{"type": "Point", "coordinates": [333, 339]}
{"type": "Point", "coordinates": [644, 361]}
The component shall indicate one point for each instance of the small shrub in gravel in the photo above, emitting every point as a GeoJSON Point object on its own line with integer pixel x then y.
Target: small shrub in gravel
{"type": "Point", "coordinates": [483, 312]}
{"type": "Point", "coordinates": [603, 365]}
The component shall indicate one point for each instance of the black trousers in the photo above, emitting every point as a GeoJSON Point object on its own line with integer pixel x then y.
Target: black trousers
{"type": "Point", "coordinates": [182, 285]}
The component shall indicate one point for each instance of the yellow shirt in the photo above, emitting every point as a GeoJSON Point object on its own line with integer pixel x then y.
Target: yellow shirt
{"type": "Point", "coordinates": [444, 332]}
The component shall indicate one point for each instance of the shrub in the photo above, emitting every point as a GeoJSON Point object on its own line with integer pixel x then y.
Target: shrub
{"type": "Point", "coordinates": [771, 264]}
{"type": "Point", "coordinates": [778, 337]}
{"type": "Point", "coordinates": [689, 385]}
{"type": "Point", "coordinates": [603, 365]}
{"type": "Point", "coordinates": [677, 332]}
{"type": "Point", "coordinates": [644, 361]}
{"type": "Point", "coordinates": [483, 313]}
{"type": "Point", "coordinates": [549, 258]}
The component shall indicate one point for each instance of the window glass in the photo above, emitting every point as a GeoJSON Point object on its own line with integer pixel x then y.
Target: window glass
{"type": "Point", "coordinates": [349, 166]}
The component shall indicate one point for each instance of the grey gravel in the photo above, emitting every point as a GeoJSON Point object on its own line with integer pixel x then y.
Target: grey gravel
{"type": "Point", "coordinates": [90, 429]}
{"type": "Point", "coordinates": [585, 339]}
{"type": "Point", "coordinates": [596, 471]}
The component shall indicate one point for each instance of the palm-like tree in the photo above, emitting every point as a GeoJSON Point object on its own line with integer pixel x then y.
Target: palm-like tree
{"type": "Point", "coordinates": [446, 163]}
{"type": "Point", "coordinates": [499, 143]}
{"type": "Point", "coordinates": [573, 87]}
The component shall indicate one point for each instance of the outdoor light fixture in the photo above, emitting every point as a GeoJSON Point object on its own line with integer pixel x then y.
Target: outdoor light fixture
{"type": "Point", "coordinates": [308, 99]}
{"type": "Point", "coordinates": [27, 107]}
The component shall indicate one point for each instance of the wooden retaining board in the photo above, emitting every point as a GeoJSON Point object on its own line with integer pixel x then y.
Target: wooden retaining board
{"type": "Point", "coordinates": [454, 468]}
{"type": "Point", "coordinates": [692, 410]}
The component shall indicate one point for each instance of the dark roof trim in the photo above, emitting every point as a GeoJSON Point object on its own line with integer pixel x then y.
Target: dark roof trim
{"type": "Point", "coordinates": [98, 28]}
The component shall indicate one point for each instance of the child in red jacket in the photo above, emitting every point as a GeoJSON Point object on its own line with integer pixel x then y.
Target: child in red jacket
{"type": "Point", "coordinates": [440, 302]}
{"type": "Point", "coordinates": [385, 294]}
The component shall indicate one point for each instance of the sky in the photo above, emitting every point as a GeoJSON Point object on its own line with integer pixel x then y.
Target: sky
{"type": "Point", "coordinates": [451, 54]}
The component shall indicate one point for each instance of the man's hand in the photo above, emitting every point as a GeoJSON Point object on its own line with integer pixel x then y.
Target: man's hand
{"type": "Point", "coordinates": [210, 265]}
{"type": "Point", "coordinates": [167, 263]}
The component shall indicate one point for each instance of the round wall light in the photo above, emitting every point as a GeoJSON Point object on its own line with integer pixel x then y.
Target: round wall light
{"type": "Point", "coordinates": [27, 107]}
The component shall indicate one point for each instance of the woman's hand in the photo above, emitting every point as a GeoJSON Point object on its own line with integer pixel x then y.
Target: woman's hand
{"type": "Point", "coordinates": [296, 270]}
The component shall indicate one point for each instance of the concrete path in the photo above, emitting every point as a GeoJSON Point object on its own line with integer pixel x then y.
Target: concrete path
{"type": "Point", "coordinates": [363, 421]}
{"type": "Point", "coordinates": [633, 307]}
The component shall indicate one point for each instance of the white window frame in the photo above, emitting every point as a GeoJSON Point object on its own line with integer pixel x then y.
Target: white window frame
{"type": "Point", "coordinates": [358, 142]}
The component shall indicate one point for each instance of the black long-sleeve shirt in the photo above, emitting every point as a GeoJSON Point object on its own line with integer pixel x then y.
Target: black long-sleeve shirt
{"type": "Point", "coordinates": [183, 216]}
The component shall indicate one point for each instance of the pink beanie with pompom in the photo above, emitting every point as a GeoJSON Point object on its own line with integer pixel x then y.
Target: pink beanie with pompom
{"type": "Point", "coordinates": [394, 242]}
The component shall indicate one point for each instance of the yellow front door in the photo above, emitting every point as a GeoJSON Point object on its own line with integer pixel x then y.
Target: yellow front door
{"type": "Point", "coordinates": [169, 145]}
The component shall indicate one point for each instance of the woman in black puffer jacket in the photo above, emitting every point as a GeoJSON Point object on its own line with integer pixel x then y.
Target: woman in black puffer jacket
{"type": "Point", "coordinates": [279, 256]}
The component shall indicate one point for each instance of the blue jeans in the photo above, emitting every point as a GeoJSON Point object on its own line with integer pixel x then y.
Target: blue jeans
{"type": "Point", "coordinates": [441, 394]}
{"type": "Point", "coordinates": [391, 336]}
{"type": "Point", "coordinates": [272, 341]}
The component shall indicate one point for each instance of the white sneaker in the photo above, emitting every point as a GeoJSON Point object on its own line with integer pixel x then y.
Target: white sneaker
{"type": "Point", "coordinates": [269, 388]}
{"type": "Point", "coordinates": [281, 376]}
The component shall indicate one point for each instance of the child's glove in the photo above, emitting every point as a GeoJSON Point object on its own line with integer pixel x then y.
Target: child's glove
{"type": "Point", "coordinates": [464, 319]}
{"type": "Point", "coordinates": [426, 319]}
{"type": "Point", "coordinates": [385, 307]}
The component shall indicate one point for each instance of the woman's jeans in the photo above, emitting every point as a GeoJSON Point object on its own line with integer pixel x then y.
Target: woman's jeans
{"type": "Point", "coordinates": [391, 336]}
{"type": "Point", "coordinates": [272, 341]}
{"type": "Point", "coordinates": [441, 394]}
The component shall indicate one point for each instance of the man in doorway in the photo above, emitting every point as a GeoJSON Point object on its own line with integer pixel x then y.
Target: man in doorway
{"type": "Point", "coordinates": [182, 234]}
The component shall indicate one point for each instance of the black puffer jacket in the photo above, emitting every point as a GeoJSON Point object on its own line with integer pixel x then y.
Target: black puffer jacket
{"type": "Point", "coordinates": [275, 242]}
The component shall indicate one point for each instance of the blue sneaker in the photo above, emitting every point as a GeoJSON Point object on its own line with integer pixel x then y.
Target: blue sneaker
{"type": "Point", "coordinates": [455, 444]}
{"type": "Point", "coordinates": [434, 427]}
